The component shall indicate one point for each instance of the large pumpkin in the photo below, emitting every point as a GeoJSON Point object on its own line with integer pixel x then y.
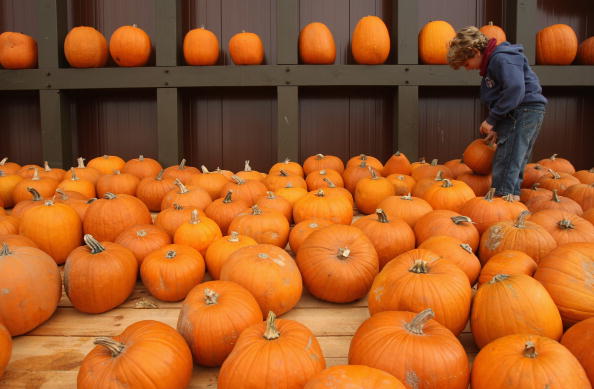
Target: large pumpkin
{"type": "Point", "coordinates": [353, 376]}
{"type": "Point", "coordinates": [198, 232]}
{"type": "Point", "coordinates": [273, 354]}
{"type": "Point", "coordinates": [130, 46]}
{"type": "Point", "coordinates": [148, 354]}
{"type": "Point", "coordinates": [85, 47]}
{"type": "Point", "coordinates": [408, 208]}
{"type": "Point", "coordinates": [556, 45]}
{"type": "Point", "coordinates": [527, 361]}
{"type": "Point", "coordinates": [434, 38]}
{"type": "Point", "coordinates": [17, 51]}
{"type": "Point", "coordinates": [564, 227]}
{"type": "Point", "coordinates": [246, 48]}
{"type": "Point", "coordinates": [579, 340]}
{"type": "Point", "coordinates": [485, 211]}
{"type": "Point", "coordinates": [201, 47]}
{"type": "Point", "coordinates": [316, 44]}
{"type": "Point", "coordinates": [212, 316]}
{"type": "Point", "coordinates": [371, 41]}
{"type": "Point", "coordinates": [413, 347]}
{"type": "Point", "coordinates": [338, 263]}
{"type": "Point", "coordinates": [142, 167]}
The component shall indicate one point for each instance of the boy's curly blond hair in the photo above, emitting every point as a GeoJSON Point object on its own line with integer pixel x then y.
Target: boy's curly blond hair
{"type": "Point", "coordinates": [461, 47]}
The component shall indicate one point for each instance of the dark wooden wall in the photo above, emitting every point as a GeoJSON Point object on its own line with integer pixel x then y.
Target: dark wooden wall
{"type": "Point", "coordinates": [224, 126]}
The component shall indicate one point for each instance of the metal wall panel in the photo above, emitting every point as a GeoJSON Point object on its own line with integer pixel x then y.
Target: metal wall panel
{"type": "Point", "coordinates": [19, 16]}
{"type": "Point", "coordinates": [21, 128]}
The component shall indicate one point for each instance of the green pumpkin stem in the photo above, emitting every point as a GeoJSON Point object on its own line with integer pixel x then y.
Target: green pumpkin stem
{"type": "Point", "coordinates": [210, 297]}
{"type": "Point", "coordinates": [271, 332]}
{"type": "Point", "coordinates": [93, 244]}
{"type": "Point", "coordinates": [115, 347]}
{"type": "Point", "coordinates": [416, 325]}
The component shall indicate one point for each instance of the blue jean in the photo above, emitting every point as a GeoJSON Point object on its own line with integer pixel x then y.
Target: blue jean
{"type": "Point", "coordinates": [516, 135]}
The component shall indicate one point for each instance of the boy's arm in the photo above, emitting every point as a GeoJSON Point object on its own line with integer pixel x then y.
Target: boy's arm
{"type": "Point", "coordinates": [511, 77]}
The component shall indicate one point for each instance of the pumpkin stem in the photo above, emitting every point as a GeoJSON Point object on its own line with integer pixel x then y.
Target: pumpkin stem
{"type": "Point", "coordinates": [362, 157]}
{"type": "Point", "coordinates": [343, 253]}
{"type": "Point", "coordinates": [256, 210]}
{"type": "Point", "coordinates": [287, 160]}
{"type": "Point", "coordinates": [117, 172]}
{"type": "Point", "coordinates": [553, 157]}
{"type": "Point", "coordinates": [234, 237]}
{"type": "Point", "coordinates": [320, 193]}
{"type": "Point", "coordinates": [591, 170]}
{"type": "Point", "coordinates": [313, 225]}
{"type": "Point", "coordinates": [566, 224]}
{"type": "Point", "coordinates": [270, 195]}
{"type": "Point", "coordinates": [160, 175]}
{"type": "Point", "coordinates": [141, 157]}
{"type": "Point", "coordinates": [93, 244]}
{"type": "Point", "coordinates": [439, 175]}
{"type": "Point", "coordinates": [363, 164]}
{"type": "Point", "coordinates": [372, 172]}
{"type": "Point", "coordinates": [35, 175]}
{"type": "Point", "coordinates": [227, 198]}
{"type": "Point", "coordinates": [105, 156]}
{"type": "Point", "coordinates": [461, 219]}
{"type": "Point", "coordinates": [466, 247]}
{"type": "Point", "coordinates": [34, 193]}
{"type": "Point", "coordinates": [509, 198]}
{"type": "Point", "coordinates": [194, 219]}
{"type": "Point", "coordinates": [498, 278]}
{"type": "Point", "coordinates": [447, 183]}
{"type": "Point", "coordinates": [490, 194]}
{"type": "Point", "coordinates": [73, 175]}
{"type": "Point", "coordinates": [182, 164]}
{"type": "Point", "coordinates": [48, 203]}
{"type": "Point", "coordinates": [416, 325]}
{"type": "Point", "coordinates": [238, 180]}
{"type": "Point", "coordinates": [530, 350]}
{"type": "Point", "coordinates": [419, 267]}
{"type": "Point", "coordinates": [247, 167]}
{"type": "Point", "coordinates": [3, 162]}
{"type": "Point", "coordinates": [2, 173]}
{"type": "Point", "coordinates": [141, 233]}
{"type": "Point", "coordinates": [397, 153]}
{"type": "Point", "coordinates": [181, 186]}
{"type": "Point", "coordinates": [406, 197]}
{"type": "Point", "coordinates": [329, 182]}
{"type": "Point", "coordinates": [46, 166]}
{"type": "Point", "coordinates": [289, 185]}
{"type": "Point", "coordinates": [271, 332]}
{"type": "Point", "coordinates": [381, 216]}
{"type": "Point", "coordinates": [62, 194]}
{"type": "Point", "coordinates": [434, 162]}
{"type": "Point", "coordinates": [171, 254]}
{"type": "Point", "coordinates": [322, 172]}
{"type": "Point", "coordinates": [81, 163]}
{"type": "Point", "coordinates": [521, 220]}
{"type": "Point", "coordinates": [210, 297]}
{"type": "Point", "coordinates": [553, 173]}
{"type": "Point", "coordinates": [115, 347]}
{"type": "Point", "coordinates": [109, 196]}
{"type": "Point", "coordinates": [91, 200]}
{"type": "Point", "coordinates": [319, 156]}
{"type": "Point", "coordinates": [555, 197]}
{"type": "Point", "coordinates": [177, 207]}
{"type": "Point", "coordinates": [5, 250]}
{"type": "Point", "coordinates": [204, 169]}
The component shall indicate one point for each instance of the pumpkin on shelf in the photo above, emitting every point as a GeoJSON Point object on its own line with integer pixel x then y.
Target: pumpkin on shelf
{"type": "Point", "coordinates": [507, 262]}
{"type": "Point", "coordinates": [556, 45]}
{"type": "Point", "coordinates": [434, 38]}
{"type": "Point", "coordinates": [356, 376]}
{"type": "Point", "coordinates": [17, 51]}
{"type": "Point", "coordinates": [223, 210]}
{"type": "Point", "coordinates": [130, 46]}
{"type": "Point", "coordinates": [201, 47]}
{"type": "Point", "coordinates": [316, 44]}
{"type": "Point", "coordinates": [246, 48]}
{"type": "Point", "coordinates": [85, 47]}
{"type": "Point", "coordinates": [370, 41]}
{"type": "Point", "coordinates": [492, 31]}
{"type": "Point", "coordinates": [198, 232]}
{"type": "Point", "coordinates": [106, 164]}
{"type": "Point", "coordinates": [579, 339]}
{"type": "Point", "coordinates": [99, 276]}
{"type": "Point", "coordinates": [148, 354]}
{"type": "Point", "coordinates": [221, 249]}
{"type": "Point", "coordinates": [212, 316]}
{"type": "Point", "coordinates": [143, 239]}
{"type": "Point", "coordinates": [585, 54]}
{"type": "Point", "coordinates": [40, 289]}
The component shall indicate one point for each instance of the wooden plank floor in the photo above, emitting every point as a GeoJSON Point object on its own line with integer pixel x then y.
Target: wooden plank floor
{"type": "Point", "coordinates": [49, 356]}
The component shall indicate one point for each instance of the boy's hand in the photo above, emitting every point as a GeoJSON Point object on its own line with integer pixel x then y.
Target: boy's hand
{"type": "Point", "coordinates": [487, 129]}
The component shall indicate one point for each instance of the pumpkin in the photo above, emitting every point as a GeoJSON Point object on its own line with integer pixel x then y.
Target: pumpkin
{"type": "Point", "coordinates": [369, 192]}
{"type": "Point", "coordinates": [513, 304]}
{"type": "Point", "coordinates": [9, 167]}
{"type": "Point", "coordinates": [85, 47]}
{"type": "Point", "coordinates": [353, 376]}
{"type": "Point", "coordinates": [354, 173]}
{"type": "Point", "coordinates": [524, 361]}
{"type": "Point", "coordinates": [288, 166]}
{"type": "Point", "coordinates": [9, 224]}
{"type": "Point", "coordinates": [45, 186]}
{"type": "Point", "coordinates": [248, 190]}
{"type": "Point", "coordinates": [556, 45]}
{"type": "Point", "coordinates": [369, 161]}
{"type": "Point", "coordinates": [130, 46]}
{"type": "Point", "coordinates": [269, 273]}
{"type": "Point", "coordinates": [260, 356]}
{"type": "Point", "coordinates": [492, 31]}
{"type": "Point", "coordinates": [223, 210]}
{"type": "Point", "coordinates": [335, 208]}
{"type": "Point", "coordinates": [55, 173]}
{"type": "Point", "coordinates": [458, 167]}
{"type": "Point", "coordinates": [212, 316]}
{"type": "Point", "coordinates": [151, 191]}
{"type": "Point", "coordinates": [8, 181]}
{"type": "Point", "coordinates": [450, 223]}
{"type": "Point", "coordinates": [118, 183]}
{"type": "Point", "coordinates": [403, 184]}
{"type": "Point", "coordinates": [55, 228]}
{"type": "Point", "coordinates": [84, 172]}
{"type": "Point", "coordinates": [514, 206]}
{"type": "Point", "coordinates": [221, 249]}
{"type": "Point", "coordinates": [99, 276]}
{"type": "Point", "coordinates": [438, 284]}
{"type": "Point", "coordinates": [321, 161]}
{"type": "Point", "coordinates": [430, 170]}
{"type": "Point", "coordinates": [526, 194]}
{"type": "Point", "coordinates": [338, 263]}
{"type": "Point", "coordinates": [40, 289]}
{"type": "Point", "coordinates": [485, 211]}
{"type": "Point", "coordinates": [585, 176]}
{"type": "Point", "coordinates": [559, 181]}
{"type": "Point", "coordinates": [181, 172]}
{"type": "Point", "coordinates": [198, 233]}
{"type": "Point", "coordinates": [14, 240]}
{"type": "Point", "coordinates": [186, 196]}
{"type": "Point", "coordinates": [398, 163]}
{"type": "Point", "coordinates": [315, 180]}
{"type": "Point", "coordinates": [148, 354]}
{"type": "Point", "coordinates": [507, 262]}
{"type": "Point", "coordinates": [479, 155]}
{"type": "Point", "coordinates": [72, 199]}
{"type": "Point", "coordinates": [564, 227]}
{"type": "Point", "coordinates": [519, 235]}
{"type": "Point", "coordinates": [332, 189]}
{"type": "Point", "coordinates": [582, 194]}
{"type": "Point", "coordinates": [264, 226]}
{"type": "Point", "coordinates": [5, 348]}
{"type": "Point", "coordinates": [76, 184]}
{"type": "Point", "coordinates": [106, 218]}
{"type": "Point", "coordinates": [423, 185]}
{"type": "Point", "coordinates": [28, 171]}
{"type": "Point", "coordinates": [170, 272]}
{"type": "Point", "coordinates": [280, 179]}
{"type": "Point", "coordinates": [579, 339]}
{"type": "Point", "coordinates": [143, 239]}
{"type": "Point", "coordinates": [316, 44]}
{"type": "Point", "coordinates": [418, 339]}
{"type": "Point", "coordinates": [272, 202]}
{"type": "Point", "coordinates": [370, 43]}
{"type": "Point", "coordinates": [303, 229]}
{"type": "Point", "coordinates": [479, 184]}
{"type": "Point", "coordinates": [560, 165]}
{"type": "Point", "coordinates": [434, 40]}
{"type": "Point", "coordinates": [449, 194]}
{"type": "Point", "coordinates": [585, 54]}
{"type": "Point", "coordinates": [22, 206]}
{"type": "Point", "coordinates": [246, 48]}
{"type": "Point", "coordinates": [212, 182]}
{"type": "Point", "coordinates": [589, 215]}
{"type": "Point", "coordinates": [171, 218]}
{"type": "Point", "coordinates": [201, 47]}
{"type": "Point", "coordinates": [566, 273]}
{"type": "Point", "coordinates": [408, 208]}
{"type": "Point", "coordinates": [532, 173]}
{"type": "Point", "coordinates": [390, 236]}
{"type": "Point", "coordinates": [106, 164]}
{"type": "Point", "coordinates": [142, 167]}
{"type": "Point", "coordinates": [17, 51]}
{"type": "Point", "coordinates": [455, 251]}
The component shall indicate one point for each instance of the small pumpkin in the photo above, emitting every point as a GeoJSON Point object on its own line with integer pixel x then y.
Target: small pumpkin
{"type": "Point", "coordinates": [198, 232]}
{"type": "Point", "coordinates": [316, 44]}
{"type": "Point", "coordinates": [8, 181]}
{"type": "Point", "coordinates": [272, 202]}
{"type": "Point", "coordinates": [264, 226]}
{"type": "Point", "coordinates": [171, 218]}
{"type": "Point", "coordinates": [44, 185]}
{"type": "Point", "coordinates": [248, 190]}
{"type": "Point", "coordinates": [556, 45]}
{"type": "Point", "coordinates": [479, 184]}
{"type": "Point", "coordinates": [76, 184]}
{"type": "Point", "coordinates": [485, 211]}
{"type": "Point", "coordinates": [433, 42]}
{"type": "Point", "coordinates": [118, 183]}
{"type": "Point", "coordinates": [335, 208]}
{"type": "Point", "coordinates": [130, 46]}
{"type": "Point", "coordinates": [17, 51]}
{"type": "Point", "coordinates": [201, 47]}
{"type": "Point", "coordinates": [403, 184]}
{"type": "Point", "coordinates": [347, 376]}
{"type": "Point", "coordinates": [449, 194]}
{"type": "Point", "coordinates": [582, 194]}
{"type": "Point", "coordinates": [585, 54]}
{"type": "Point", "coordinates": [143, 239]}
{"type": "Point", "coordinates": [151, 191]}
{"type": "Point", "coordinates": [221, 249]}
{"type": "Point", "coordinates": [507, 262]}
{"type": "Point", "coordinates": [212, 182]}
{"type": "Point", "coordinates": [223, 210]}
{"type": "Point", "coordinates": [585, 176]}
{"type": "Point", "coordinates": [532, 173]}
{"type": "Point", "coordinates": [246, 48]}
{"type": "Point", "coordinates": [564, 227]}
{"type": "Point", "coordinates": [181, 172]}
{"type": "Point", "coordinates": [9, 167]}
{"type": "Point", "coordinates": [398, 163]}
{"type": "Point", "coordinates": [492, 31]}
{"type": "Point", "coordinates": [186, 196]}
{"type": "Point", "coordinates": [9, 224]}
{"type": "Point", "coordinates": [458, 167]}
{"type": "Point", "coordinates": [408, 208]}
{"type": "Point", "coordinates": [84, 172]}
{"type": "Point", "coordinates": [321, 161]}
{"type": "Point", "coordinates": [288, 166]}
{"type": "Point", "coordinates": [450, 223]}
{"type": "Point", "coordinates": [85, 47]}
{"type": "Point", "coordinates": [555, 163]}
{"type": "Point", "coordinates": [455, 251]}
{"type": "Point", "coordinates": [142, 167]}
{"type": "Point", "coordinates": [479, 155]}
{"type": "Point", "coordinates": [14, 240]}
{"type": "Point", "coordinates": [370, 41]}
{"type": "Point", "coordinates": [315, 180]}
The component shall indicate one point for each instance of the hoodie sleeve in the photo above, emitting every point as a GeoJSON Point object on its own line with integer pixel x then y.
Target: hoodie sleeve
{"type": "Point", "coordinates": [511, 77]}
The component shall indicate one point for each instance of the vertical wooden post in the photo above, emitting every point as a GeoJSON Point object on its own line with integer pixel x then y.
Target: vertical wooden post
{"type": "Point", "coordinates": [168, 32]}
{"type": "Point", "coordinates": [520, 25]}
{"type": "Point", "coordinates": [56, 138]}
{"type": "Point", "coordinates": [407, 119]}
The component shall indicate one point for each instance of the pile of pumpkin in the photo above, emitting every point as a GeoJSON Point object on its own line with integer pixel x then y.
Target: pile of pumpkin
{"type": "Point", "coordinates": [423, 235]}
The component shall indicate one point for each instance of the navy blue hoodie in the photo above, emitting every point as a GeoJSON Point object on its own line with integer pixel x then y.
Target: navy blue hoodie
{"type": "Point", "coordinates": [509, 82]}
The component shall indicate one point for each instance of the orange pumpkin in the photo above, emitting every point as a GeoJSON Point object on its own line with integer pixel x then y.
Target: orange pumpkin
{"type": "Point", "coordinates": [198, 232]}
{"type": "Point", "coordinates": [585, 54]}
{"type": "Point", "coordinates": [288, 166]}
{"type": "Point", "coordinates": [84, 172]}
{"type": "Point", "coordinates": [353, 376]}
{"type": "Point", "coordinates": [14, 240]}
{"type": "Point", "coordinates": [579, 339]}
{"type": "Point", "coordinates": [560, 165]}
{"type": "Point", "coordinates": [76, 184]}
{"type": "Point", "coordinates": [181, 172]}
{"type": "Point", "coordinates": [187, 196]}
{"type": "Point", "coordinates": [449, 194]}
{"type": "Point", "coordinates": [450, 223]}
{"type": "Point", "coordinates": [223, 210]}
{"type": "Point", "coordinates": [106, 164]}
{"type": "Point", "coordinates": [564, 227]}
{"type": "Point", "coordinates": [370, 43]}
{"type": "Point", "coordinates": [201, 47]}
{"type": "Point", "coordinates": [8, 182]}
{"type": "Point", "coordinates": [458, 167]}
{"type": "Point", "coordinates": [303, 229]}
{"type": "Point", "coordinates": [403, 184]}
{"type": "Point", "coordinates": [585, 176]}
{"type": "Point", "coordinates": [5, 348]}
{"type": "Point", "coordinates": [143, 239]}
{"type": "Point", "coordinates": [479, 155]}
{"type": "Point", "coordinates": [17, 51]}
{"type": "Point", "coordinates": [532, 173]}
{"type": "Point", "coordinates": [118, 183]}
{"type": "Point", "coordinates": [335, 208]}
{"type": "Point", "coordinates": [248, 190]}
{"type": "Point", "coordinates": [221, 249]}
{"type": "Point", "coordinates": [171, 218]}
{"type": "Point", "coordinates": [130, 46]}
{"type": "Point", "coordinates": [408, 208]}
{"type": "Point", "coordinates": [152, 190]}
{"type": "Point", "coordinates": [434, 38]}
{"type": "Point", "coordinates": [264, 226]}
{"type": "Point", "coordinates": [316, 44]}
{"type": "Point", "coordinates": [315, 180]}
{"type": "Point", "coordinates": [485, 211]}
{"type": "Point", "coordinates": [321, 161]}
{"type": "Point", "coordinates": [272, 202]}
{"type": "Point", "coordinates": [556, 45]}
{"type": "Point", "coordinates": [455, 251]}
{"type": "Point", "coordinates": [9, 167]}
{"type": "Point", "coordinates": [507, 262]}
{"type": "Point", "coordinates": [142, 167]}
{"type": "Point", "coordinates": [246, 48]}
{"type": "Point", "coordinates": [369, 192]}
{"type": "Point", "coordinates": [492, 31]}
{"type": "Point", "coordinates": [582, 194]}
{"type": "Point", "coordinates": [85, 47]}
{"type": "Point", "coordinates": [479, 184]}
{"type": "Point", "coordinates": [212, 182]}
{"type": "Point", "coordinates": [44, 185]}
{"type": "Point", "coordinates": [397, 163]}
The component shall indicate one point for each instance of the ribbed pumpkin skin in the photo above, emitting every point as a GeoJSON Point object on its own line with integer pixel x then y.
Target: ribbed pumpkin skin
{"type": "Point", "coordinates": [585, 55]}
{"type": "Point", "coordinates": [433, 42]}
{"type": "Point", "coordinates": [433, 360]}
{"type": "Point", "coordinates": [130, 46]}
{"type": "Point", "coordinates": [5, 348]}
{"type": "Point", "coordinates": [556, 45]}
{"type": "Point", "coordinates": [507, 262]}
{"type": "Point", "coordinates": [502, 364]}
{"type": "Point", "coordinates": [201, 47]}
{"type": "Point", "coordinates": [221, 249]}
{"type": "Point", "coordinates": [246, 48]}
{"type": "Point", "coordinates": [455, 251]}
{"type": "Point", "coordinates": [155, 356]}
{"type": "Point", "coordinates": [17, 51]}
{"type": "Point", "coordinates": [517, 304]}
{"type": "Point", "coordinates": [316, 44]}
{"type": "Point", "coordinates": [371, 41]}
{"type": "Point", "coordinates": [353, 377]}
{"type": "Point", "coordinates": [212, 328]}
{"type": "Point", "coordinates": [579, 340]}
{"type": "Point", "coordinates": [85, 47]}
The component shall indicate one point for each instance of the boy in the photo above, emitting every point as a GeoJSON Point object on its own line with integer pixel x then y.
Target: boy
{"type": "Point", "coordinates": [513, 94]}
